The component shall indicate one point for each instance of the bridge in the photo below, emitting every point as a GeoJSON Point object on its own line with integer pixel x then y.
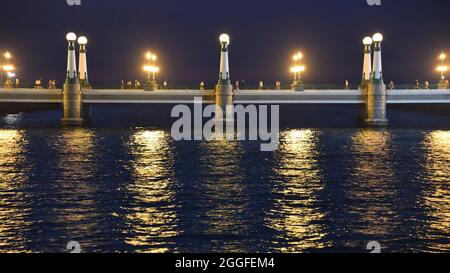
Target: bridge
{"type": "Point", "coordinates": [117, 96]}
{"type": "Point", "coordinates": [372, 92]}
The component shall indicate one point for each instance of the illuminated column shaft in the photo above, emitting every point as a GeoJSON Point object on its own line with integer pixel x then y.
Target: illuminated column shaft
{"type": "Point", "coordinates": [71, 63]}
{"type": "Point", "coordinates": [84, 79]}
{"type": "Point", "coordinates": [367, 67]}
{"type": "Point", "coordinates": [224, 88]}
{"type": "Point", "coordinates": [224, 65]}
{"type": "Point", "coordinates": [377, 64]}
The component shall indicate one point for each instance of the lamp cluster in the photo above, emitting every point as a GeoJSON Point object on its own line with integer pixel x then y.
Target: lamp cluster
{"type": "Point", "coordinates": [372, 74]}
{"type": "Point", "coordinates": [72, 75]}
{"type": "Point", "coordinates": [297, 69]}
{"type": "Point", "coordinates": [8, 70]}
{"type": "Point", "coordinates": [442, 68]}
{"type": "Point", "coordinates": [152, 69]}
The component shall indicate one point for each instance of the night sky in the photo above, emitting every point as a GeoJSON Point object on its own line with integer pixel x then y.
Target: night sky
{"type": "Point", "coordinates": [264, 36]}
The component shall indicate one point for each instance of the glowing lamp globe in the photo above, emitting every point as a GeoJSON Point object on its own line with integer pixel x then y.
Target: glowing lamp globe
{"type": "Point", "coordinates": [367, 41]}
{"type": "Point", "coordinates": [224, 39]}
{"type": "Point", "coordinates": [82, 40]}
{"type": "Point", "coordinates": [298, 56]}
{"type": "Point", "coordinates": [378, 38]}
{"type": "Point", "coordinates": [71, 37]}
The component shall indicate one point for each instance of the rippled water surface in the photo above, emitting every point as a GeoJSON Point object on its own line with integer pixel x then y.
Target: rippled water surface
{"type": "Point", "coordinates": [136, 190]}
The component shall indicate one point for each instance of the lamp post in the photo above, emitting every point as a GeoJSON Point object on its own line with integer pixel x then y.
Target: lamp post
{"type": "Point", "coordinates": [151, 84]}
{"type": "Point", "coordinates": [72, 97]}
{"type": "Point", "coordinates": [367, 66]}
{"type": "Point", "coordinates": [82, 67]}
{"type": "Point", "coordinates": [376, 91]}
{"type": "Point", "coordinates": [71, 75]}
{"type": "Point", "coordinates": [297, 69]}
{"type": "Point", "coordinates": [442, 68]}
{"type": "Point", "coordinates": [7, 68]}
{"type": "Point", "coordinates": [224, 75]}
{"type": "Point", "coordinates": [224, 88]}
{"type": "Point", "coordinates": [377, 76]}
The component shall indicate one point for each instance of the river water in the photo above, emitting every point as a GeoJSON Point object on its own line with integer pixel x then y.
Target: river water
{"type": "Point", "coordinates": [134, 189]}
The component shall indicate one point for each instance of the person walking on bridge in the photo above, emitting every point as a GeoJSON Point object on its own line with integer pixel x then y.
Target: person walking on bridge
{"type": "Point", "coordinates": [391, 85]}
{"type": "Point", "coordinates": [417, 85]}
{"type": "Point", "coordinates": [277, 85]}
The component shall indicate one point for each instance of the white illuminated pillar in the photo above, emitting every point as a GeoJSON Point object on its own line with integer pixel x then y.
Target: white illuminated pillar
{"type": "Point", "coordinates": [71, 76]}
{"type": "Point", "coordinates": [224, 88]}
{"type": "Point", "coordinates": [377, 64]}
{"type": "Point", "coordinates": [82, 67]}
{"type": "Point", "coordinates": [224, 76]}
{"type": "Point", "coordinates": [367, 66]}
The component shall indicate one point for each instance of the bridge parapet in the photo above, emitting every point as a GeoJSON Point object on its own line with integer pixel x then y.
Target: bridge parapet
{"type": "Point", "coordinates": [115, 96]}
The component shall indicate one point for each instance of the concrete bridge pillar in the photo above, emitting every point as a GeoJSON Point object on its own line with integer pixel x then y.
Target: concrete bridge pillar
{"type": "Point", "coordinates": [376, 90]}
{"type": "Point", "coordinates": [224, 88]}
{"type": "Point", "coordinates": [72, 98]}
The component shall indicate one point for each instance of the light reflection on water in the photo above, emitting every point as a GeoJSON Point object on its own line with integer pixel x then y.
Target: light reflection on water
{"type": "Point", "coordinates": [136, 190]}
{"type": "Point", "coordinates": [372, 190]}
{"type": "Point", "coordinates": [225, 208]}
{"type": "Point", "coordinates": [436, 197]}
{"type": "Point", "coordinates": [12, 215]}
{"type": "Point", "coordinates": [295, 211]}
{"type": "Point", "coordinates": [152, 226]}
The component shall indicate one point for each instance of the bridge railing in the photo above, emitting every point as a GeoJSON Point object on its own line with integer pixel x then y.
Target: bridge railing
{"type": "Point", "coordinates": [28, 85]}
{"type": "Point", "coordinates": [246, 86]}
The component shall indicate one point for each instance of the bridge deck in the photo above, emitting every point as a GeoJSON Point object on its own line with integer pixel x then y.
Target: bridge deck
{"type": "Point", "coordinates": [247, 96]}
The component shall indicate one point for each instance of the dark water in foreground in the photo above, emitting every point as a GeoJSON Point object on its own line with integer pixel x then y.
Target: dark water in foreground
{"type": "Point", "coordinates": [136, 190]}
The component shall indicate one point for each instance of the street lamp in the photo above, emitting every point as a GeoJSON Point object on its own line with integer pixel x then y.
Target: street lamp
{"type": "Point", "coordinates": [71, 75]}
{"type": "Point", "coordinates": [224, 75]}
{"type": "Point", "coordinates": [367, 66]}
{"type": "Point", "coordinates": [152, 69]}
{"type": "Point", "coordinates": [82, 67]}
{"type": "Point", "coordinates": [377, 77]}
{"type": "Point", "coordinates": [442, 68]}
{"type": "Point", "coordinates": [8, 68]}
{"type": "Point", "coordinates": [8, 56]}
{"type": "Point", "coordinates": [297, 69]}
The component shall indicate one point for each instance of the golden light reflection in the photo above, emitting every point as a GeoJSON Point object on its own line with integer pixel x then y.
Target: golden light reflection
{"type": "Point", "coordinates": [12, 198]}
{"type": "Point", "coordinates": [373, 189]}
{"type": "Point", "coordinates": [225, 195]}
{"type": "Point", "coordinates": [437, 194]}
{"type": "Point", "coordinates": [295, 215]}
{"type": "Point", "coordinates": [75, 161]}
{"type": "Point", "coordinates": [153, 219]}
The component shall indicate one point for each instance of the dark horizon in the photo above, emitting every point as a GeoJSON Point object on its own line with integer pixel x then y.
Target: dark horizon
{"type": "Point", "coordinates": [263, 38]}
